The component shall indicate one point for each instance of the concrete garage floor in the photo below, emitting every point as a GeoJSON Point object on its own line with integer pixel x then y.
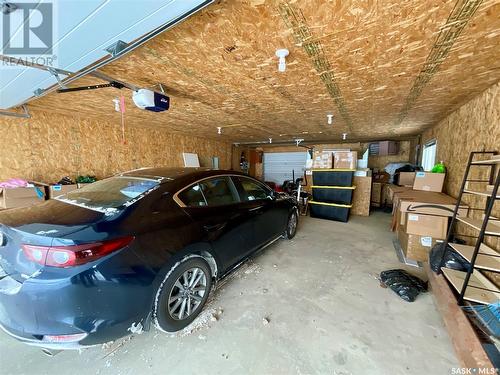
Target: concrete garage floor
{"type": "Point", "coordinates": [326, 312]}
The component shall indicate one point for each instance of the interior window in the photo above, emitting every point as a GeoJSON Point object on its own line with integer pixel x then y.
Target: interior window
{"type": "Point", "coordinates": [253, 190]}
{"type": "Point", "coordinates": [429, 155]}
{"type": "Point", "coordinates": [218, 191]}
{"type": "Point", "coordinates": [193, 197]}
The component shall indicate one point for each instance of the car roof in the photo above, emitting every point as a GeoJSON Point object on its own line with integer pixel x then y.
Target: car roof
{"type": "Point", "coordinates": [182, 176]}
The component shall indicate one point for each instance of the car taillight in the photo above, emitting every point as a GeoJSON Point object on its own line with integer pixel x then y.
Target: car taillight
{"type": "Point", "coordinates": [68, 256]}
{"type": "Point", "coordinates": [64, 338]}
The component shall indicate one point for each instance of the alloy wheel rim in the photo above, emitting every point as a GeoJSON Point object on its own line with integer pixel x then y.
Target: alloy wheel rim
{"type": "Point", "coordinates": [292, 225]}
{"type": "Point", "coordinates": [187, 293]}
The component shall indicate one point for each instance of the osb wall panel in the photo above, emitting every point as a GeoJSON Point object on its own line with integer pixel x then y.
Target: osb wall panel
{"type": "Point", "coordinates": [473, 127]}
{"type": "Point", "coordinates": [48, 147]}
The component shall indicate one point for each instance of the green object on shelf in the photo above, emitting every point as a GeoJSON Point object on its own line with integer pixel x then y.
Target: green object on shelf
{"type": "Point", "coordinates": [439, 168]}
{"type": "Point", "coordinates": [86, 179]}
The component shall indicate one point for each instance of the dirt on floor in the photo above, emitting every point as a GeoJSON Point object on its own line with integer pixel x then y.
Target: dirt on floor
{"type": "Point", "coordinates": [312, 305]}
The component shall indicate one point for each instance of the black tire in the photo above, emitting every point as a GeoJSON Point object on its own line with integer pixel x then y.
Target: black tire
{"type": "Point", "coordinates": [291, 230]}
{"type": "Point", "coordinates": [163, 318]}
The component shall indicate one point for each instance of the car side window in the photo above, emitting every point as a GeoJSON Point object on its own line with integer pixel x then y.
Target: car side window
{"type": "Point", "coordinates": [193, 196]}
{"type": "Point", "coordinates": [219, 191]}
{"type": "Point", "coordinates": [253, 190]}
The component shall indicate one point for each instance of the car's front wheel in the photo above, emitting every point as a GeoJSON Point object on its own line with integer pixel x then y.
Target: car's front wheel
{"type": "Point", "coordinates": [291, 225]}
{"type": "Point", "coordinates": [182, 294]}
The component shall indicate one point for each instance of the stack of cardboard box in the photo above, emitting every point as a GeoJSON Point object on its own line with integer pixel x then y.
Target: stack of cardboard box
{"type": "Point", "coordinates": [335, 159]}
{"type": "Point", "coordinates": [345, 159]}
{"type": "Point", "coordinates": [380, 181]}
{"type": "Point", "coordinates": [421, 214]}
{"type": "Point", "coordinates": [322, 160]}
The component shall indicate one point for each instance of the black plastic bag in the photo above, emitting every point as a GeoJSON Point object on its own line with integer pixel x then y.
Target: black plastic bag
{"type": "Point", "coordinates": [408, 287]}
{"type": "Point", "coordinates": [65, 181]}
{"type": "Point", "coordinates": [451, 260]}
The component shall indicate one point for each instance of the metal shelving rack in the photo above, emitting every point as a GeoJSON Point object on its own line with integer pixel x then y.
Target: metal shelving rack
{"type": "Point", "coordinates": [472, 285]}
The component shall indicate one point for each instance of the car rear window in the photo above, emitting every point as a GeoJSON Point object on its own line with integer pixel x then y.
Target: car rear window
{"type": "Point", "coordinates": [110, 193]}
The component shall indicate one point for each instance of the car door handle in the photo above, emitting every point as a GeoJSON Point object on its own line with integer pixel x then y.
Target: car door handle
{"type": "Point", "coordinates": [258, 209]}
{"type": "Point", "coordinates": [214, 227]}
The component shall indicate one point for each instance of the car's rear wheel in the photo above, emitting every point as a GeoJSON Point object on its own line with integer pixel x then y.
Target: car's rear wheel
{"type": "Point", "coordinates": [182, 294]}
{"type": "Point", "coordinates": [291, 225]}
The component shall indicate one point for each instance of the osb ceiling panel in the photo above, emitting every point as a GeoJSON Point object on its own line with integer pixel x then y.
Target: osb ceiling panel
{"type": "Point", "coordinates": [356, 59]}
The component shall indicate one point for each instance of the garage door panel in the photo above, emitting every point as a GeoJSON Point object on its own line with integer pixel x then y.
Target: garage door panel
{"type": "Point", "coordinates": [281, 166]}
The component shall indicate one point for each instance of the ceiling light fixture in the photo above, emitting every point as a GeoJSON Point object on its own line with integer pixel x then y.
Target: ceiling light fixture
{"type": "Point", "coordinates": [270, 140]}
{"type": "Point", "coordinates": [330, 119]}
{"type": "Point", "coordinates": [219, 130]}
{"type": "Point", "coordinates": [281, 54]}
{"type": "Point", "coordinates": [344, 136]}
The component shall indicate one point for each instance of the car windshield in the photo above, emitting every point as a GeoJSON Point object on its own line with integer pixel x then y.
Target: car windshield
{"type": "Point", "coordinates": [111, 193]}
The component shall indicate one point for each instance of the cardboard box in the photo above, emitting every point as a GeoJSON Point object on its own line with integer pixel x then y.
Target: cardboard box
{"type": "Point", "coordinates": [406, 179]}
{"type": "Point", "coordinates": [376, 197]}
{"type": "Point", "coordinates": [414, 246]}
{"type": "Point", "coordinates": [398, 221]}
{"type": "Point", "coordinates": [422, 202]}
{"type": "Point", "coordinates": [323, 160]}
{"type": "Point", "coordinates": [345, 159]}
{"type": "Point", "coordinates": [393, 189]}
{"type": "Point", "coordinates": [382, 177]}
{"type": "Point", "coordinates": [427, 181]}
{"type": "Point", "coordinates": [56, 190]}
{"type": "Point", "coordinates": [20, 197]}
{"type": "Point", "coordinates": [427, 225]}
{"type": "Point", "coordinates": [427, 202]}
{"type": "Point", "coordinates": [365, 172]}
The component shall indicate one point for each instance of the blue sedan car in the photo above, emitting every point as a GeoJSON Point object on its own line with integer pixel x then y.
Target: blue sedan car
{"type": "Point", "coordinates": [138, 248]}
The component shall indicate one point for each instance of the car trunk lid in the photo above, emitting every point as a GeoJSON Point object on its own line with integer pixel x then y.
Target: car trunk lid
{"type": "Point", "coordinates": [44, 225]}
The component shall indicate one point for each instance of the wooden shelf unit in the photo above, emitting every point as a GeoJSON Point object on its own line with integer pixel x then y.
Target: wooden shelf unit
{"type": "Point", "coordinates": [487, 162]}
{"type": "Point", "coordinates": [481, 193]}
{"type": "Point", "coordinates": [479, 288]}
{"type": "Point", "coordinates": [487, 259]}
{"type": "Point", "coordinates": [492, 229]}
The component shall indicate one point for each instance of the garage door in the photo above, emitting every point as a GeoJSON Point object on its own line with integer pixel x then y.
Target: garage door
{"type": "Point", "coordinates": [280, 166]}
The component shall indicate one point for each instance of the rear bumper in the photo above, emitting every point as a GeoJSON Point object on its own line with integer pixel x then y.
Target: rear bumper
{"type": "Point", "coordinates": [45, 344]}
{"type": "Point", "coordinates": [101, 300]}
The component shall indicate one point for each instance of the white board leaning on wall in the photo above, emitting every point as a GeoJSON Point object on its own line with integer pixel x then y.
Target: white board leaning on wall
{"type": "Point", "coordinates": [190, 160]}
